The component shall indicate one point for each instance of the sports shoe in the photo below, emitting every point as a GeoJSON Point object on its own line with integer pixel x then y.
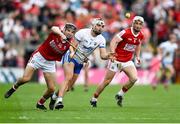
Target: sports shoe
{"type": "Point", "coordinates": [52, 103]}
{"type": "Point", "coordinates": [93, 103]}
{"type": "Point", "coordinates": [42, 107]}
{"type": "Point", "coordinates": [119, 99]}
{"type": "Point", "coordinates": [9, 93]}
{"type": "Point", "coordinates": [59, 105]}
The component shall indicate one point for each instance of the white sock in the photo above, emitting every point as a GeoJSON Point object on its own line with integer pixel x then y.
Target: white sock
{"type": "Point", "coordinates": [59, 99]}
{"type": "Point", "coordinates": [121, 93]}
{"type": "Point", "coordinates": [14, 87]}
{"type": "Point", "coordinates": [94, 99]}
{"type": "Point", "coordinates": [54, 97]}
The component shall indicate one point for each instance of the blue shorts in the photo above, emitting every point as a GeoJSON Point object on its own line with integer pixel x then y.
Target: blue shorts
{"type": "Point", "coordinates": [77, 66]}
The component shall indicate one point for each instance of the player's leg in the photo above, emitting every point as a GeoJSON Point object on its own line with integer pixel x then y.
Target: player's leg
{"type": "Point", "coordinates": [131, 72]}
{"type": "Point", "coordinates": [113, 67]}
{"type": "Point", "coordinates": [50, 81]}
{"type": "Point", "coordinates": [28, 72]}
{"type": "Point", "coordinates": [108, 78]}
{"type": "Point", "coordinates": [169, 72]}
{"type": "Point", "coordinates": [55, 94]}
{"type": "Point", "coordinates": [86, 83]}
{"type": "Point", "coordinates": [72, 81]}
{"type": "Point", "coordinates": [68, 72]}
{"type": "Point", "coordinates": [156, 79]}
{"type": "Point", "coordinates": [53, 98]}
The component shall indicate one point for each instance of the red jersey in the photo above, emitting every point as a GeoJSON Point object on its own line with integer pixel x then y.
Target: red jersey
{"type": "Point", "coordinates": [125, 48]}
{"type": "Point", "coordinates": [53, 48]}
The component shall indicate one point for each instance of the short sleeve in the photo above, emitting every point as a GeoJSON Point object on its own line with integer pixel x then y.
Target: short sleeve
{"type": "Point", "coordinates": [162, 45]}
{"type": "Point", "coordinates": [79, 35]}
{"type": "Point", "coordinates": [121, 34]}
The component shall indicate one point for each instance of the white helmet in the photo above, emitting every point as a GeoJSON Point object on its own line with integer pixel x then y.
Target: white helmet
{"type": "Point", "coordinates": [99, 21]}
{"type": "Point", "coordinates": [139, 18]}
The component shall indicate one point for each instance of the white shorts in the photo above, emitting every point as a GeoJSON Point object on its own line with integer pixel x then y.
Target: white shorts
{"type": "Point", "coordinates": [37, 61]}
{"type": "Point", "coordinates": [118, 66]}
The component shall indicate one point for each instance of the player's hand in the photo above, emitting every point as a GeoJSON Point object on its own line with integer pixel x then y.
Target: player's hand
{"type": "Point", "coordinates": [138, 61]}
{"type": "Point", "coordinates": [86, 60]}
{"type": "Point", "coordinates": [86, 65]}
{"type": "Point", "coordinates": [71, 55]}
{"type": "Point", "coordinates": [63, 37]}
{"type": "Point", "coordinates": [111, 56]}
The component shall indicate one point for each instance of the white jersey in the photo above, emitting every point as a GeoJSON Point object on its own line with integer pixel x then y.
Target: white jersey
{"type": "Point", "coordinates": [168, 49]}
{"type": "Point", "coordinates": [87, 44]}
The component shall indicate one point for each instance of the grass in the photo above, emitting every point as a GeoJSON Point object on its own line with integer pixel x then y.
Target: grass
{"type": "Point", "coordinates": [141, 104]}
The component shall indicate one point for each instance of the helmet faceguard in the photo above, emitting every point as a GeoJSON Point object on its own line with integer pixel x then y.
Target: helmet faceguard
{"type": "Point", "coordinates": [70, 26]}
{"type": "Point", "coordinates": [98, 21]}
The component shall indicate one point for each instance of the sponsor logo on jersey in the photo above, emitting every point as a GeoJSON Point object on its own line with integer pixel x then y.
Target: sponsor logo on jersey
{"type": "Point", "coordinates": [55, 48]}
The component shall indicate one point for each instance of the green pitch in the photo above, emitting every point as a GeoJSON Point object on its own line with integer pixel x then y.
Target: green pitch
{"type": "Point", "coordinates": [141, 104]}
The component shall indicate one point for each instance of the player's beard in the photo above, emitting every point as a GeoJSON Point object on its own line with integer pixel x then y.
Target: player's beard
{"type": "Point", "coordinates": [97, 32]}
{"type": "Point", "coordinates": [136, 30]}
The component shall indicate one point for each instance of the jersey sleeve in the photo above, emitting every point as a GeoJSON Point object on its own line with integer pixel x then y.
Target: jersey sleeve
{"type": "Point", "coordinates": [121, 34]}
{"type": "Point", "coordinates": [162, 45]}
{"type": "Point", "coordinates": [79, 35]}
{"type": "Point", "coordinates": [102, 43]}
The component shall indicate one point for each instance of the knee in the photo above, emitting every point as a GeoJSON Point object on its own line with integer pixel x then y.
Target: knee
{"type": "Point", "coordinates": [69, 77]}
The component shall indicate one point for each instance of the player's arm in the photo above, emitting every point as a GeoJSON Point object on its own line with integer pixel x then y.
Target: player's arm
{"type": "Point", "coordinates": [104, 55]}
{"type": "Point", "coordinates": [72, 49]}
{"type": "Point", "coordinates": [56, 30]}
{"type": "Point", "coordinates": [137, 53]}
{"type": "Point", "coordinates": [114, 42]}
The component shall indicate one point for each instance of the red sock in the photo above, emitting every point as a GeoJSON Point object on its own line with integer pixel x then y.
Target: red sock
{"type": "Point", "coordinates": [42, 101]}
{"type": "Point", "coordinates": [96, 95]}
{"type": "Point", "coordinates": [124, 89]}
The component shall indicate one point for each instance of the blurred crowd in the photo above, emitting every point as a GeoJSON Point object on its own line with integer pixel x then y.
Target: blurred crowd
{"type": "Point", "coordinates": [24, 24]}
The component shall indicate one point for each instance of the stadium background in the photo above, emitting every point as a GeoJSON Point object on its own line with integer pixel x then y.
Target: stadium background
{"type": "Point", "coordinates": [24, 24]}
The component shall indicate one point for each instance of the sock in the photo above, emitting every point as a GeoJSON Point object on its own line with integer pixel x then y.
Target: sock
{"type": "Point", "coordinates": [122, 91]}
{"type": "Point", "coordinates": [94, 99]}
{"type": "Point", "coordinates": [59, 99]}
{"type": "Point", "coordinates": [14, 87]}
{"type": "Point", "coordinates": [42, 101]}
{"type": "Point", "coordinates": [54, 96]}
